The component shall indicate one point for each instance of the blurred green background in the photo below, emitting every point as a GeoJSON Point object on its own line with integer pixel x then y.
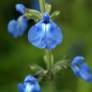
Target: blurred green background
{"type": "Point", "coordinates": [17, 54]}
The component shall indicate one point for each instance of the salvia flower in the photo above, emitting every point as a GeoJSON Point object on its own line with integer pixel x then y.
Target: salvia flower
{"type": "Point", "coordinates": [30, 85]}
{"type": "Point", "coordinates": [20, 8]}
{"type": "Point", "coordinates": [81, 69]}
{"type": "Point", "coordinates": [17, 28]}
{"type": "Point", "coordinates": [45, 34]}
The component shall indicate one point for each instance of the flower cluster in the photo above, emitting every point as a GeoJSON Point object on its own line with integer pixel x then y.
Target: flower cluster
{"type": "Point", "coordinates": [44, 34]}
{"type": "Point", "coordinates": [17, 27]}
{"type": "Point", "coordinates": [78, 66]}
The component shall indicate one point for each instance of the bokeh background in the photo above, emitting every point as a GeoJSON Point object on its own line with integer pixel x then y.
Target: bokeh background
{"type": "Point", "coordinates": [17, 54]}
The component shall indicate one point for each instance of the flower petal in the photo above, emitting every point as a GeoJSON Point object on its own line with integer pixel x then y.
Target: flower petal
{"type": "Point", "coordinates": [78, 60]}
{"type": "Point", "coordinates": [36, 88]}
{"type": "Point", "coordinates": [85, 67]}
{"type": "Point", "coordinates": [36, 36]}
{"type": "Point", "coordinates": [12, 28]}
{"type": "Point", "coordinates": [53, 35]}
{"type": "Point", "coordinates": [86, 76]}
{"type": "Point", "coordinates": [45, 35]}
{"type": "Point", "coordinates": [30, 79]}
{"type": "Point", "coordinates": [20, 88]}
{"type": "Point", "coordinates": [76, 70]}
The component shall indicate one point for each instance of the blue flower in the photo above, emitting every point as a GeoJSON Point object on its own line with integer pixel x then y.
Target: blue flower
{"type": "Point", "coordinates": [81, 69]}
{"type": "Point", "coordinates": [17, 28]}
{"type": "Point", "coordinates": [30, 85]}
{"type": "Point", "coordinates": [45, 34]}
{"type": "Point", "coordinates": [20, 8]}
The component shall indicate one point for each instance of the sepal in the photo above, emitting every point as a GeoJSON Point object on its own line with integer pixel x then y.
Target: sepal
{"type": "Point", "coordinates": [36, 68]}
{"type": "Point", "coordinates": [39, 71]}
{"type": "Point", "coordinates": [33, 14]}
{"type": "Point", "coordinates": [48, 7]}
{"type": "Point", "coordinates": [55, 14]}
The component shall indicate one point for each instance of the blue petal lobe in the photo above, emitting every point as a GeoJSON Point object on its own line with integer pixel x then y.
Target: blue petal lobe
{"type": "Point", "coordinates": [12, 28]}
{"type": "Point", "coordinates": [53, 35]}
{"type": "Point", "coordinates": [36, 36]}
{"type": "Point", "coordinates": [20, 88]}
{"type": "Point", "coordinates": [36, 88]}
{"type": "Point", "coordinates": [85, 67]}
{"type": "Point", "coordinates": [76, 70]}
{"type": "Point", "coordinates": [30, 79]}
{"type": "Point", "coordinates": [86, 76]}
{"type": "Point", "coordinates": [78, 60]}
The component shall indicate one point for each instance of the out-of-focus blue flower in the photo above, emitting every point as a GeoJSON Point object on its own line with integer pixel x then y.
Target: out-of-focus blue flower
{"type": "Point", "coordinates": [35, 4]}
{"type": "Point", "coordinates": [17, 28]}
{"type": "Point", "coordinates": [81, 69]}
{"type": "Point", "coordinates": [20, 8]}
{"type": "Point", "coordinates": [45, 34]}
{"type": "Point", "coordinates": [30, 85]}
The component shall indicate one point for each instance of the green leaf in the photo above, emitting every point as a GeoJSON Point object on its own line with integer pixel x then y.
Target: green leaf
{"type": "Point", "coordinates": [55, 14]}
{"type": "Point", "coordinates": [33, 14]}
{"type": "Point", "coordinates": [48, 7]}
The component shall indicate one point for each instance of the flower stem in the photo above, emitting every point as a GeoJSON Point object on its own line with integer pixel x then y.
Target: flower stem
{"type": "Point", "coordinates": [49, 59]}
{"type": "Point", "coordinates": [42, 6]}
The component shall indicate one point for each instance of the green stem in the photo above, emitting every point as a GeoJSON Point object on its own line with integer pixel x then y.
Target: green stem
{"type": "Point", "coordinates": [49, 59]}
{"type": "Point", "coordinates": [42, 6]}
